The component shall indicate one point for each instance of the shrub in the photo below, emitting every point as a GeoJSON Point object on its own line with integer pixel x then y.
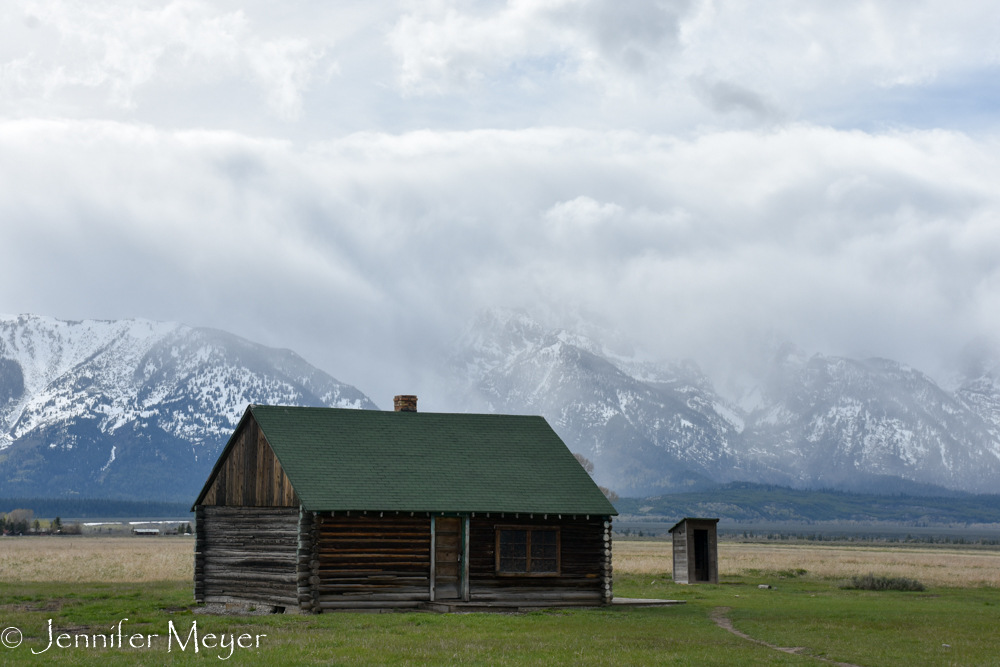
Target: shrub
{"type": "Point", "coordinates": [870, 582]}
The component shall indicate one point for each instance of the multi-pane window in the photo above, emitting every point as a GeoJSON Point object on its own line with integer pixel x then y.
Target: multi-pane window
{"type": "Point", "coordinates": [524, 550]}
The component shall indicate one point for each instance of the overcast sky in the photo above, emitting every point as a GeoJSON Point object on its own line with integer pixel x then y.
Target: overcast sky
{"type": "Point", "coordinates": [353, 180]}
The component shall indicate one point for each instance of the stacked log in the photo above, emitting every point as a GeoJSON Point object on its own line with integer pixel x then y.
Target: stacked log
{"type": "Point", "coordinates": [607, 571]}
{"type": "Point", "coordinates": [303, 561]}
{"type": "Point", "coordinates": [583, 553]}
{"type": "Point", "coordinates": [248, 554]}
{"type": "Point", "coordinates": [370, 561]}
{"type": "Point", "coordinates": [199, 555]}
{"type": "Point", "coordinates": [315, 562]}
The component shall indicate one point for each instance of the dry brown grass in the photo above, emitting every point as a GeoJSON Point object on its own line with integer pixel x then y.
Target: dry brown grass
{"type": "Point", "coordinates": [106, 559]}
{"type": "Point", "coordinates": [934, 567]}
{"type": "Point", "coordinates": [136, 559]}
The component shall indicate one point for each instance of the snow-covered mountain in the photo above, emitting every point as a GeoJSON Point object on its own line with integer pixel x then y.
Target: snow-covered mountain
{"type": "Point", "coordinates": [979, 389]}
{"type": "Point", "coordinates": [133, 408]}
{"type": "Point", "coordinates": [804, 421]}
{"type": "Point", "coordinates": [140, 409]}
{"type": "Point", "coordinates": [649, 427]}
{"type": "Point", "coordinates": [831, 421]}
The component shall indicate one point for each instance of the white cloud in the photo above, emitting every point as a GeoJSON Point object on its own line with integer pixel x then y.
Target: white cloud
{"type": "Point", "coordinates": [367, 174]}
{"type": "Point", "coordinates": [787, 59]}
{"type": "Point", "coordinates": [384, 242]}
{"type": "Point", "coordinates": [120, 49]}
{"type": "Point", "coordinates": [660, 66]}
{"type": "Point", "coordinates": [441, 46]}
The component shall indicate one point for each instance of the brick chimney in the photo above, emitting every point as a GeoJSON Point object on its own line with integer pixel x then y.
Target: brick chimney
{"type": "Point", "coordinates": [405, 403]}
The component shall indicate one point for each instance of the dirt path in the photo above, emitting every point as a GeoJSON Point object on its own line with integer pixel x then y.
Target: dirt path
{"type": "Point", "coordinates": [721, 620]}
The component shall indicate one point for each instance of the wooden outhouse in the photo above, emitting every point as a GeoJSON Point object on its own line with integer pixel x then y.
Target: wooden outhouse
{"type": "Point", "coordinates": [696, 551]}
{"type": "Point", "coordinates": [322, 509]}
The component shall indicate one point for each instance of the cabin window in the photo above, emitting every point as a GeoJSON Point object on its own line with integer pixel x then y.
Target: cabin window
{"type": "Point", "coordinates": [527, 550]}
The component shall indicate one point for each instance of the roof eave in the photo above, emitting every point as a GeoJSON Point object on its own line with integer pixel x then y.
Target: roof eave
{"type": "Point", "coordinates": [463, 510]}
{"type": "Point", "coordinates": [692, 518]}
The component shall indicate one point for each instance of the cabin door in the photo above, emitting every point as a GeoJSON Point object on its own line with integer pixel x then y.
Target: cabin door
{"type": "Point", "coordinates": [447, 558]}
{"type": "Point", "coordinates": [701, 555]}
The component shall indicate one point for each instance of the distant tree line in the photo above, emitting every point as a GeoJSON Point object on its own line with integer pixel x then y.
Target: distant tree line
{"type": "Point", "coordinates": [18, 522]}
{"type": "Point", "coordinates": [93, 507]}
{"type": "Point", "coordinates": [747, 502]}
{"type": "Point", "coordinates": [22, 522]}
{"type": "Point", "coordinates": [869, 537]}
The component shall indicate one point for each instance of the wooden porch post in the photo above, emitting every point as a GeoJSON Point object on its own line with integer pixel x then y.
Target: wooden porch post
{"type": "Point", "coordinates": [465, 559]}
{"type": "Point", "coordinates": [433, 564]}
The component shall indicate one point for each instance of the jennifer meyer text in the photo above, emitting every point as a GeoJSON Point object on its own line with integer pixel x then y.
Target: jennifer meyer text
{"type": "Point", "coordinates": [120, 637]}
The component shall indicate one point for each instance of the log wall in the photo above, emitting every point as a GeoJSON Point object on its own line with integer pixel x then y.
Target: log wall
{"type": "Point", "coordinates": [368, 561]}
{"type": "Point", "coordinates": [585, 562]}
{"type": "Point", "coordinates": [246, 554]}
{"type": "Point", "coordinates": [319, 562]}
{"type": "Point", "coordinates": [250, 474]}
{"type": "Point", "coordinates": [307, 563]}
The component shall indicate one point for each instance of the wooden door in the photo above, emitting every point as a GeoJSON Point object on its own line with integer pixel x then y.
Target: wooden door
{"type": "Point", "coordinates": [447, 558]}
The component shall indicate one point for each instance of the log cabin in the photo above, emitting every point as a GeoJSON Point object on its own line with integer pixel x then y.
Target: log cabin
{"type": "Point", "coordinates": [326, 509]}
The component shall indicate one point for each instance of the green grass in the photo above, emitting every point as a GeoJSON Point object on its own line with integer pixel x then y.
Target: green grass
{"type": "Point", "coordinates": [862, 627]}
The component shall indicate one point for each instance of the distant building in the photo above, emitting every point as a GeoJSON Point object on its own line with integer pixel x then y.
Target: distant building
{"type": "Point", "coordinates": [696, 551]}
{"type": "Point", "coordinates": [146, 531]}
{"type": "Point", "coordinates": [320, 509]}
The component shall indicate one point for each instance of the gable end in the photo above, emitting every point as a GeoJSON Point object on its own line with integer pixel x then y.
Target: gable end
{"type": "Point", "coordinates": [248, 473]}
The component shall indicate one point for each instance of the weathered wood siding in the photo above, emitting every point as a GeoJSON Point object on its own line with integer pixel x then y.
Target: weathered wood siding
{"type": "Point", "coordinates": [246, 554]}
{"type": "Point", "coordinates": [250, 474]}
{"type": "Point", "coordinates": [367, 561]}
{"type": "Point", "coordinates": [585, 562]}
{"type": "Point", "coordinates": [680, 543]}
{"type": "Point", "coordinates": [448, 546]}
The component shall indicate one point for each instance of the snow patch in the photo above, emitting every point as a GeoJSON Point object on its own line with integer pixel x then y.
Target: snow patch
{"type": "Point", "coordinates": [111, 460]}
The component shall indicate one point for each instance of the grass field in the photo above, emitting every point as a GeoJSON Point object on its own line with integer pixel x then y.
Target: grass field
{"type": "Point", "coordinates": [106, 559]}
{"type": "Point", "coordinates": [88, 585]}
{"type": "Point", "coordinates": [934, 566]}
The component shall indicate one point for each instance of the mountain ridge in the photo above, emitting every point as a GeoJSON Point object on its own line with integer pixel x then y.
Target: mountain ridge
{"type": "Point", "coordinates": [806, 421]}
{"type": "Point", "coordinates": [748, 502]}
{"type": "Point", "coordinates": [135, 408]}
{"type": "Point", "coordinates": [140, 409]}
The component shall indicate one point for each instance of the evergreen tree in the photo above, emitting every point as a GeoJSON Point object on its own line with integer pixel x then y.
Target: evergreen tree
{"type": "Point", "coordinates": [56, 525]}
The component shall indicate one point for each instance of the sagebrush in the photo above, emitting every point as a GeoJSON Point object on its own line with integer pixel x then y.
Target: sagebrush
{"type": "Point", "coordinates": [870, 582]}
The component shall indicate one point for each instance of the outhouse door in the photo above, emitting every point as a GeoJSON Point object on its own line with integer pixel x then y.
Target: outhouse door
{"type": "Point", "coordinates": [447, 558]}
{"type": "Point", "coordinates": [701, 567]}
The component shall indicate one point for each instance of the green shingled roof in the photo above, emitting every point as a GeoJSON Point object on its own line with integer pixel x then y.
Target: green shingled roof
{"type": "Point", "coordinates": [423, 461]}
